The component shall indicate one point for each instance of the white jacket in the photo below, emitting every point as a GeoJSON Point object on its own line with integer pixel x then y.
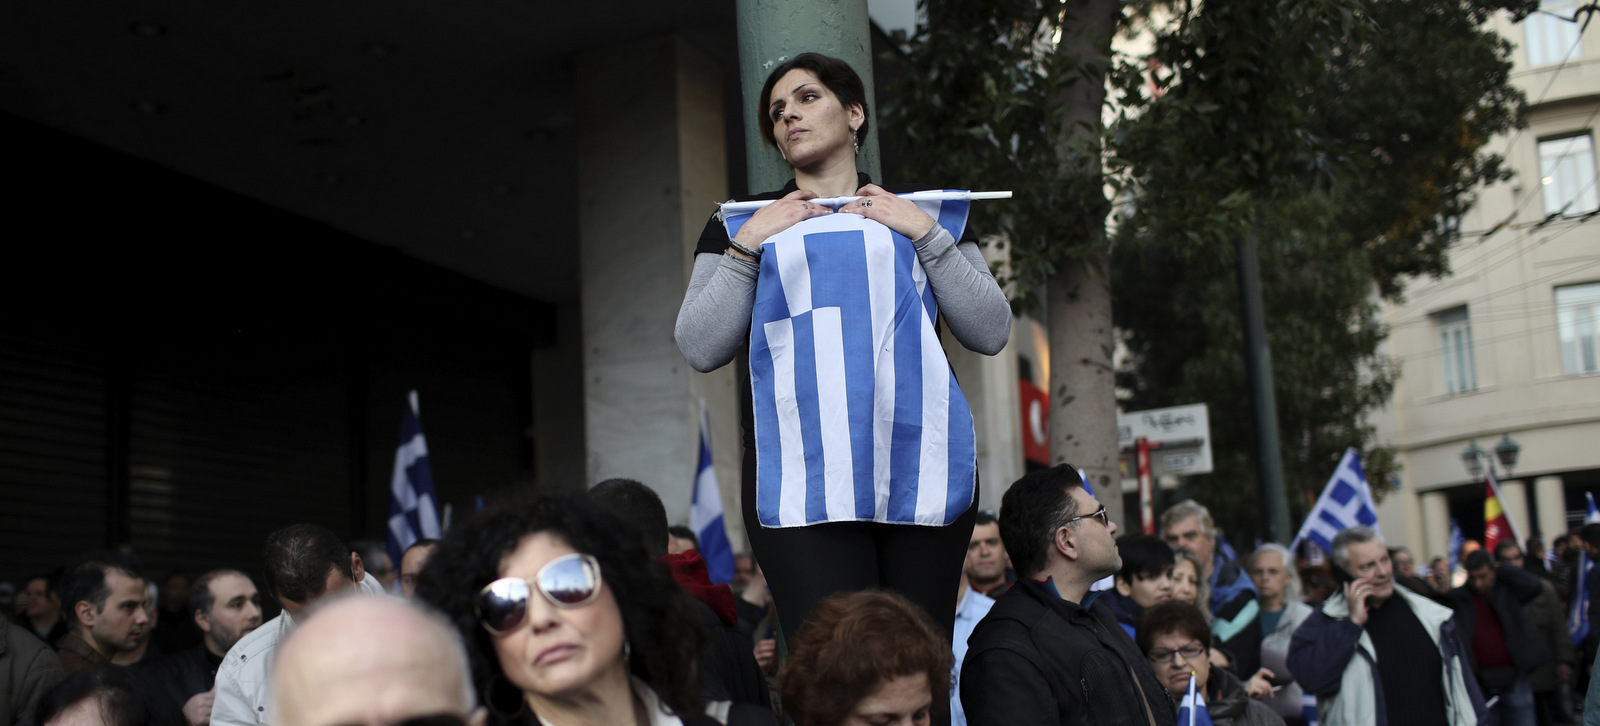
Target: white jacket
{"type": "Point", "coordinates": [241, 697]}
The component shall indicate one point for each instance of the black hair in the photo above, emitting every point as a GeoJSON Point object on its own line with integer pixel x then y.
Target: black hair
{"type": "Point", "coordinates": [424, 542]}
{"type": "Point", "coordinates": [1171, 616]}
{"type": "Point", "coordinates": [834, 74]}
{"type": "Point", "coordinates": [370, 551]}
{"type": "Point", "coordinates": [1590, 534]}
{"type": "Point", "coordinates": [201, 598]}
{"type": "Point", "coordinates": [985, 517]}
{"type": "Point", "coordinates": [297, 559]}
{"type": "Point", "coordinates": [52, 581]}
{"type": "Point", "coordinates": [1032, 510]}
{"type": "Point", "coordinates": [124, 699]}
{"type": "Point", "coordinates": [1505, 544]}
{"type": "Point", "coordinates": [682, 532]}
{"type": "Point", "coordinates": [1477, 560]}
{"type": "Point", "coordinates": [1144, 556]}
{"type": "Point", "coordinates": [658, 619]}
{"type": "Point", "coordinates": [86, 582]}
{"type": "Point", "coordinates": [640, 507]}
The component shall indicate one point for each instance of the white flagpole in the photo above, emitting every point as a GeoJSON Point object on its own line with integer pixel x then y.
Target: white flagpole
{"type": "Point", "coordinates": [731, 208]}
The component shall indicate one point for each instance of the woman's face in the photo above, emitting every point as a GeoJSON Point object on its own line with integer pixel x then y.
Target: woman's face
{"type": "Point", "coordinates": [1185, 582]}
{"type": "Point", "coordinates": [809, 124]}
{"type": "Point", "coordinates": [1173, 665]}
{"type": "Point", "coordinates": [558, 651]}
{"type": "Point", "coordinates": [899, 701]}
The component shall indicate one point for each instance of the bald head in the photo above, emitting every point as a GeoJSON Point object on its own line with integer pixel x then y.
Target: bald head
{"type": "Point", "coordinates": [371, 660]}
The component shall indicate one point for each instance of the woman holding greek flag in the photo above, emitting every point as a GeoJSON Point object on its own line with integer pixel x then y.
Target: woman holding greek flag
{"type": "Point", "coordinates": [860, 467]}
{"type": "Point", "coordinates": [1176, 638]}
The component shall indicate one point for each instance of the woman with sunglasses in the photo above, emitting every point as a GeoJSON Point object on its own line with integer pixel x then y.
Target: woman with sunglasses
{"type": "Point", "coordinates": [867, 473]}
{"type": "Point", "coordinates": [568, 621]}
{"type": "Point", "coordinates": [1174, 636]}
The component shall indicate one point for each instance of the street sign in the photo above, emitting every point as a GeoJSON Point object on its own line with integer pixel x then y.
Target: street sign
{"type": "Point", "coordinates": [1179, 436]}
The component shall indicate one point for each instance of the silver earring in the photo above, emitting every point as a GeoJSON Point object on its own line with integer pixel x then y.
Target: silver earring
{"type": "Point", "coordinates": [856, 143]}
{"type": "Point", "coordinates": [627, 652]}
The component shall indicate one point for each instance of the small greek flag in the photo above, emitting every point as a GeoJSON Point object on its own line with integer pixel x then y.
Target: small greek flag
{"type": "Point", "coordinates": [858, 416]}
{"type": "Point", "coordinates": [1453, 544]}
{"type": "Point", "coordinates": [1578, 620]}
{"type": "Point", "coordinates": [705, 511]}
{"type": "Point", "coordinates": [413, 514]}
{"type": "Point", "coordinates": [1192, 711]}
{"type": "Point", "coordinates": [1345, 502]}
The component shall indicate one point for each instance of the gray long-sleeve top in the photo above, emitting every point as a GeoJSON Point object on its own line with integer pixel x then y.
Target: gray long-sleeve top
{"type": "Point", "coordinates": [714, 320]}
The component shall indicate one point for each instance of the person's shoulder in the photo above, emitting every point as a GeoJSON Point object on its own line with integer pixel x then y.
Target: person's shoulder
{"type": "Point", "coordinates": [19, 642]}
{"type": "Point", "coordinates": [258, 642]}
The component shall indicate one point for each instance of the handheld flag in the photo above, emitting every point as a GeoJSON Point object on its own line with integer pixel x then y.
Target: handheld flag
{"type": "Point", "coordinates": [413, 513]}
{"type": "Point", "coordinates": [705, 511]}
{"type": "Point", "coordinates": [1192, 711]}
{"type": "Point", "coordinates": [1345, 502]}
{"type": "Point", "coordinates": [1454, 544]}
{"type": "Point", "coordinates": [1497, 526]}
{"type": "Point", "coordinates": [858, 416]}
{"type": "Point", "coordinates": [1578, 619]}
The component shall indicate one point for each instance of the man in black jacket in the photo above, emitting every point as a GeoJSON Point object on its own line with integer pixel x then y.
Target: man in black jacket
{"type": "Point", "coordinates": [1050, 651]}
{"type": "Point", "coordinates": [225, 606]}
{"type": "Point", "coordinates": [1500, 641]}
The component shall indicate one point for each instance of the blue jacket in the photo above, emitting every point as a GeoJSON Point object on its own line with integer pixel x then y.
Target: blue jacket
{"type": "Point", "coordinates": [1335, 659]}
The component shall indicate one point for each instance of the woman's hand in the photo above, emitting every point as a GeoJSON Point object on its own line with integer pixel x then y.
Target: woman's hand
{"type": "Point", "coordinates": [766, 652]}
{"type": "Point", "coordinates": [1259, 686]}
{"type": "Point", "coordinates": [879, 205]}
{"type": "Point", "coordinates": [793, 208]}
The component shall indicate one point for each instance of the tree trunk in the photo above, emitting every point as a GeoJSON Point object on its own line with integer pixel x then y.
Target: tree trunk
{"type": "Point", "coordinates": [1083, 430]}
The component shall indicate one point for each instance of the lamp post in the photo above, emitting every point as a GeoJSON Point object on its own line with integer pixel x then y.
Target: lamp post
{"type": "Point", "coordinates": [1474, 456]}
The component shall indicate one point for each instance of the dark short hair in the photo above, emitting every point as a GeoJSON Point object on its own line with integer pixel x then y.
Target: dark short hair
{"type": "Point", "coordinates": [1144, 556]}
{"type": "Point", "coordinates": [1172, 616]}
{"type": "Point", "coordinates": [201, 598]}
{"type": "Point", "coordinates": [851, 644]}
{"type": "Point", "coordinates": [682, 532]}
{"type": "Point", "coordinates": [124, 699]}
{"type": "Point", "coordinates": [297, 559]}
{"type": "Point", "coordinates": [52, 581]}
{"type": "Point", "coordinates": [1590, 534]}
{"type": "Point", "coordinates": [640, 507]}
{"type": "Point", "coordinates": [1032, 510]}
{"type": "Point", "coordinates": [985, 517]}
{"type": "Point", "coordinates": [834, 74]}
{"type": "Point", "coordinates": [1477, 560]}
{"type": "Point", "coordinates": [371, 551]}
{"type": "Point", "coordinates": [86, 582]}
{"type": "Point", "coordinates": [424, 542]}
{"type": "Point", "coordinates": [1505, 544]}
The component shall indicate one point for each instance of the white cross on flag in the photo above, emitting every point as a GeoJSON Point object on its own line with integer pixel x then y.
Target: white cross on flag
{"type": "Point", "coordinates": [1345, 502]}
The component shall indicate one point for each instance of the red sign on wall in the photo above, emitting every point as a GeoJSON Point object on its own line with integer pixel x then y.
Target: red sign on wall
{"type": "Point", "coordinates": [1035, 405]}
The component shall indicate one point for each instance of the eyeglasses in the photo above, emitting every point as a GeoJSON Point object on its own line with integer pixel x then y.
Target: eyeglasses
{"type": "Point", "coordinates": [567, 582]}
{"type": "Point", "coordinates": [1105, 519]}
{"type": "Point", "coordinates": [1187, 652]}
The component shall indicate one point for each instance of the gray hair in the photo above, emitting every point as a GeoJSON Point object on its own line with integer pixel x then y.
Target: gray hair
{"type": "Point", "coordinates": [1186, 509]}
{"type": "Point", "coordinates": [1292, 591]}
{"type": "Point", "coordinates": [1347, 537]}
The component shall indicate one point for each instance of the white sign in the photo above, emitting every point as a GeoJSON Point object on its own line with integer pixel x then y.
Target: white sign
{"type": "Point", "coordinates": [1180, 437]}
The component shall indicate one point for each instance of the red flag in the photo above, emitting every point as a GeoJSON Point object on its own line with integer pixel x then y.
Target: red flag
{"type": "Point", "coordinates": [1496, 526]}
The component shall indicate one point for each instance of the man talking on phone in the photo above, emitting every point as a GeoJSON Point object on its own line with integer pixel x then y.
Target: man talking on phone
{"type": "Point", "coordinates": [1377, 653]}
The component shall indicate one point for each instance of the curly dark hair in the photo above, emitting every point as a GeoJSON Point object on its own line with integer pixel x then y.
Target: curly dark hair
{"type": "Point", "coordinates": [658, 619]}
{"type": "Point", "coordinates": [836, 75]}
{"type": "Point", "coordinates": [851, 644]}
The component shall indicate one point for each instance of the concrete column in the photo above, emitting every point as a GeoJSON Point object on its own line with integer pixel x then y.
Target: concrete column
{"type": "Point", "coordinates": [772, 31]}
{"type": "Point", "coordinates": [1552, 512]}
{"type": "Point", "coordinates": [1436, 520]}
{"type": "Point", "coordinates": [990, 385]}
{"type": "Point", "coordinates": [651, 163]}
{"type": "Point", "coordinates": [1514, 500]}
{"type": "Point", "coordinates": [559, 460]}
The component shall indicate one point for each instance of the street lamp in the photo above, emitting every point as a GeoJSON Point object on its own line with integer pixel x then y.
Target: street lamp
{"type": "Point", "coordinates": [1506, 451]}
{"type": "Point", "coordinates": [1473, 458]}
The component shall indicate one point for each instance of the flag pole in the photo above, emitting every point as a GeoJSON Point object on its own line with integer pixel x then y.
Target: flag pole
{"type": "Point", "coordinates": [734, 208]}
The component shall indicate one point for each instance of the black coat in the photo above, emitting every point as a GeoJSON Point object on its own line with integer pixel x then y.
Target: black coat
{"type": "Point", "coordinates": [183, 674]}
{"type": "Point", "coordinates": [1513, 586]}
{"type": "Point", "coordinates": [1038, 659]}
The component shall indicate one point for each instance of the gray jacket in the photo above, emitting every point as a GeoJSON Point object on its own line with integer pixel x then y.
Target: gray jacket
{"type": "Point", "coordinates": [28, 668]}
{"type": "Point", "coordinates": [1289, 702]}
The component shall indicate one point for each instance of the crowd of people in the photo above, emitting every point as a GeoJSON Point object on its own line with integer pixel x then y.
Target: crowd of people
{"type": "Point", "coordinates": [589, 609]}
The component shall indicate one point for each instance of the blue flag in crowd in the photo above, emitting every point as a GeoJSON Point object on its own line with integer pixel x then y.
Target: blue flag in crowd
{"type": "Point", "coordinates": [1345, 502]}
{"type": "Point", "coordinates": [1578, 621]}
{"type": "Point", "coordinates": [705, 512]}
{"type": "Point", "coordinates": [1192, 711]}
{"type": "Point", "coordinates": [858, 416]}
{"type": "Point", "coordinates": [1454, 544]}
{"type": "Point", "coordinates": [413, 513]}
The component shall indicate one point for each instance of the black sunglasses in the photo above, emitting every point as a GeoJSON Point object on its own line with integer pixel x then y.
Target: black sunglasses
{"type": "Point", "coordinates": [567, 582]}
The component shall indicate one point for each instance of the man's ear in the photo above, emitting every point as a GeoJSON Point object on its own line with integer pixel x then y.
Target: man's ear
{"type": "Point", "coordinates": [358, 571]}
{"type": "Point", "coordinates": [202, 620]}
{"type": "Point", "coordinates": [84, 610]}
{"type": "Point", "coordinates": [1066, 542]}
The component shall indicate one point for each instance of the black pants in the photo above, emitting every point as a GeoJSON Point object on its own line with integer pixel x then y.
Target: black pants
{"type": "Point", "coordinates": [804, 565]}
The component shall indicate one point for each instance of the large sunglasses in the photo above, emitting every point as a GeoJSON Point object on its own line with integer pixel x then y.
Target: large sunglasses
{"type": "Point", "coordinates": [567, 582]}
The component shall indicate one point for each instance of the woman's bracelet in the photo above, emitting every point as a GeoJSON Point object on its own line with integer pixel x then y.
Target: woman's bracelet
{"type": "Point", "coordinates": [752, 254]}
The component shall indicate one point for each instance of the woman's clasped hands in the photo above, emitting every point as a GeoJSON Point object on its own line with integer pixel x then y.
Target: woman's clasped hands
{"type": "Point", "coordinates": [876, 203]}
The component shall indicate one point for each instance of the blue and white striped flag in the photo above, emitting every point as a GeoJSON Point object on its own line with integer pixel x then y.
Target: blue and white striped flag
{"type": "Point", "coordinates": [858, 416]}
{"type": "Point", "coordinates": [1578, 624]}
{"type": "Point", "coordinates": [1192, 710]}
{"type": "Point", "coordinates": [705, 511]}
{"type": "Point", "coordinates": [1453, 544]}
{"type": "Point", "coordinates": [413, 513]}
{"type": "Point", "coordinates": [1345, 502]}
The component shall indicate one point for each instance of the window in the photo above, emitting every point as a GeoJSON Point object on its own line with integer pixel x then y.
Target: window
{"type": "Point", "coordinates": [1578, 317]}
{"type": "Point", "coordinates": [1552, 33]}
{"type": "Point", "coordinates": [1566, 170]}
{"type": "Point", "coordinates": [1455, 343]}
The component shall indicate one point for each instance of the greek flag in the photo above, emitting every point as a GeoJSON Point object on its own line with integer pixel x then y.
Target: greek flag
{"type": "Point", "coordinates": [1578, 620]}
{"type": "Point", "coordinates": [1192, 710]}
{"type": "Point", "coordinates": [1345, 502]}
{"type": "Point", "coordinates": [1454, 544]}
{"type": "Point", "coordinates": [705, 511]}
{"type": "Point", "coordinates": [858, 416]}
{"type": "Point", "coordinates": [413, 515]}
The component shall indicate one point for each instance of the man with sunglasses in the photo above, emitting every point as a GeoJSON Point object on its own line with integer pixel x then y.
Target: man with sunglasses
{"type": "Point", "coordinates": [1051, 651]}
{"type": "Point", "coordinates": [304, 563]}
